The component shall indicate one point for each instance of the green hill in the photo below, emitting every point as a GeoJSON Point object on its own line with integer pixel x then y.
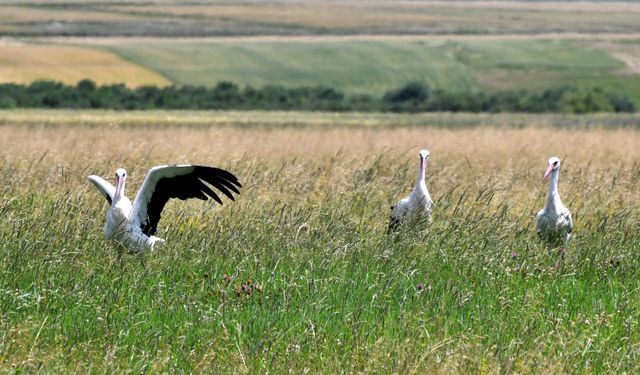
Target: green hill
{"type": "Point", "coordinates": [375, 66]}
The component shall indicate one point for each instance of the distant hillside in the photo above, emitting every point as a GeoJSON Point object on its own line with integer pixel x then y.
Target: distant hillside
{"type": "Point", "coordinates": [340, 17]}
{"type": "Point", "coordinates": [368, 66]}
{"type": "Point", "coordinates": [376, 66]}
{"type": "Point", "coordinates": [357, 47]}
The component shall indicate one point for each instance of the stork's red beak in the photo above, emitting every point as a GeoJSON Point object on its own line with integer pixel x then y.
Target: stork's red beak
{"type": "Point", "coordinates": [119, 181]}
{"type": "Point", "coordinates": [548, 172]}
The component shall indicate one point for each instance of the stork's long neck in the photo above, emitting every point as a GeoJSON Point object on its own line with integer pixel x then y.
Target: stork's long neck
{"type": "Point", "coordinates": [421, 172]}
{"type": "Point", "coordinates": [552, 195]}
{"type": "Point", "coordinates": [119, 191]}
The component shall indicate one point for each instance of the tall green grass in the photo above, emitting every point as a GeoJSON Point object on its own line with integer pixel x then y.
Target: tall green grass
{"type": "Point", "coordinates": [299, 275]}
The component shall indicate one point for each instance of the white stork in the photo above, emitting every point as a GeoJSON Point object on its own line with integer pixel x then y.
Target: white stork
{"type": "Point", "coordinates": [134, 225]}
{"type": "Point", "coordinates": [418, 204]}
{"type": "Point", "coordinates": [554, 221]}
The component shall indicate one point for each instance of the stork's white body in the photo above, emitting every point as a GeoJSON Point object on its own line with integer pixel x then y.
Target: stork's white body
{"type": "Point", "coordinates": [418, 204]}
{"type": "Point", "coordinates": [121, 227]}
{"type": "Point", "coordinates": [133, 224]}
{"type": "Point", "coordinates": [118, 216]}
{"type": "Point", "coordinates": [554, 220]}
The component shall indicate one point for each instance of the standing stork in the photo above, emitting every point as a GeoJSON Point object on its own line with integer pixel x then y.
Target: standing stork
{"type": "Point", "coordinates": [554, 221]}
{"type": "Point", "coordinates": [134, 225]}
{"type": "Point", "coordinates": [418, 204]}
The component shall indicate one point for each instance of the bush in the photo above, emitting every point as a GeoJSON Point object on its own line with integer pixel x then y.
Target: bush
{"type": "Point", "coordinates": [412, 91]}
{"type": "Point", "coordinates": [620, 103]}
{"type": "Point", "coordinates": [411, 97]}
{"type": "Point", "coordinates": [585, 101]}
{"type": "Point", "coordinates": [7, 102]}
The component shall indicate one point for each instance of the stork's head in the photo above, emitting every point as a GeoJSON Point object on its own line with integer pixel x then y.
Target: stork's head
{"type": "Point", "coordinates": [424, 157]}
{"type": "Point", "coordinates": [424, 154]}
{"type": "Point", "coordinates": [121, 176]}
{"type": "Point", "coordinates": [554, 165]}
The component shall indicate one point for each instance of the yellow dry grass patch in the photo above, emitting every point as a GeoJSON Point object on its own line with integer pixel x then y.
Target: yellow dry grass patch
{"type": "Point", "coordinates": [367, 13]}
{"type": "Point", "coordinates": [509, 160]}
{"type": "Point", "coordinates": [310, 14]}
{"type": "Point", "coordinates": [490, 147]}
{"type": "Point", "coordinates": [14, 13]}
{"type": "Point", "coordinates": [581, 6]}
{"type": "Point", "coordinates": [279, 135]}
{"type": "Point", "coordinates": [25, 63]}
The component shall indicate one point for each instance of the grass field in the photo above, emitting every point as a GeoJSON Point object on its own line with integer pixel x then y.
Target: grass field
{"type": "Point", "coordinates": [303, 120]}
{"type": "Point", "coordinates": [330, 291]}
{"type": "Point", "coordinates": [371, 66]}
{"type": "Point", "coordinates": [359, 47]}
{"type": "Point", "coordinates": [356, 66]}
{"type": "Point", "coordinates": [343, 17]}
{"type": "Point", "coordinates": [360, 67]}
{"type": "Point", "coordinates": [25, 63]}
{"type": "Point", "coordinates": [376, 66]}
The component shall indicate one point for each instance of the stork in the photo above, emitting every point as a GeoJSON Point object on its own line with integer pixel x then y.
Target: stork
{"type": "Point", "coordinates": [134, 224]}
{"type": "Point", "coordinates": [418, 204]}
{"type": "Point", "coordinates": [554, 221]}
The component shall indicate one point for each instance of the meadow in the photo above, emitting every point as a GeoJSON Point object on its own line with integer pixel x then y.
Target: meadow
{"type": "Point", "coordinates": [299, 274]}
{"type": "Point", "coordinates": [166, 18]}
{"type": "Point", "coordinates": [27, 62]}
{"type": "Point", "coordinates": [364, 47]}
{"type": "Point", "coordinates": [370, 66]}
{"type": "Point", "coordinates": [376, 66]}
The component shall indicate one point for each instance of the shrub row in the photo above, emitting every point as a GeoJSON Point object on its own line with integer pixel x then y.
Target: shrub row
{"type": "Point", "coordinates": [412, 97]}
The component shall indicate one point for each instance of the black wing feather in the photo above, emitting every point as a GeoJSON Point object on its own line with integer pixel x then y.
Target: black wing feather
{"type": "Point", "coordinates": [208, 192]}
{"type": "Point", "coordinates": [230, 186]}
{"type": "Point", "coordinates": [223, 189]}
{"type": "Point", "coordinates": [188, 186]}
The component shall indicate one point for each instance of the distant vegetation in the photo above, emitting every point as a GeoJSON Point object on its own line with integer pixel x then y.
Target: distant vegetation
{"type": "Point", "coordinates": [371, 67]}
{"type": "Point", "coordinates": [412, 97]}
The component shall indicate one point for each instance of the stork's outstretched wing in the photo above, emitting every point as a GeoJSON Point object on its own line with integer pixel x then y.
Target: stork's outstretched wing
{"type": "Point", "coordinates": [105, 188]}
{"type": "Point", "coordinates": [178, 181]}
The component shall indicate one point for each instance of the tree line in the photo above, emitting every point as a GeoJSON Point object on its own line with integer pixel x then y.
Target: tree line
{"type": "Point", "coordinates": [411, 97]}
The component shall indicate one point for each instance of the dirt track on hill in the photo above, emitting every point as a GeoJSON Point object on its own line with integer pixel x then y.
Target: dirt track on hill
{"type": "Point", "coordinates": [338, 38]}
